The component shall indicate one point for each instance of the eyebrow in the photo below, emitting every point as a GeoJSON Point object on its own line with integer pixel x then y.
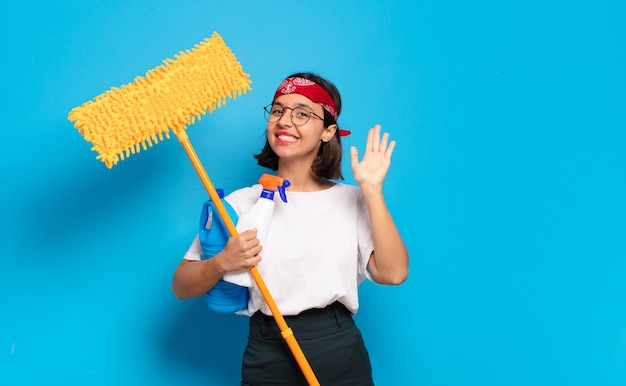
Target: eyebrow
{"type": "Point", "coordinates": [297, 105]}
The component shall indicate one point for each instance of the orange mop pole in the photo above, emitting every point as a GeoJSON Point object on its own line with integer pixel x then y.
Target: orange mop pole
{"type": "Point", "coordinates": [122, 121]}
{"type": "Point", "coordinates": [285, 330]}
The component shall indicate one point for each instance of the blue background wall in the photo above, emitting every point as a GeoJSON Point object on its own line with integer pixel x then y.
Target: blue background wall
{"type": "Point", "coordinates": [508, 184]}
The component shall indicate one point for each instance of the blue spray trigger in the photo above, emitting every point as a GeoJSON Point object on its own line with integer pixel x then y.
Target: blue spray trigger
{"type": "Point", "coordinates": [281, 190]}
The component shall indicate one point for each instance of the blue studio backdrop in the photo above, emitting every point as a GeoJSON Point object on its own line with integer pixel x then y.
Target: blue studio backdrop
{"type": "Point", "coordinates": [508, 184]}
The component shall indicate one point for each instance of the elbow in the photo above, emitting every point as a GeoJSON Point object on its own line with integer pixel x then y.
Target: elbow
{"type": "Point", "coordinates": [402, 278]}
{"type": "Point", "coordinates": [395, 273]}
{"type": "Point", "coordinates": [177, 292]}
{"type": "Point", "coordinates": [398, 277]}
{"type": "Point", "coordinates": [178, 287]}
{"type": "Point", "coordinates": [178, 282]}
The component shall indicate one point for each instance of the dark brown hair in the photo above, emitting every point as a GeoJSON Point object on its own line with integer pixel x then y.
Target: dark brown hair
{"type": "Point", "coordinates": [327, 164]}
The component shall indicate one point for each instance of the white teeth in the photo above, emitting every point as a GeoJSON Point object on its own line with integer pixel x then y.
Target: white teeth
{"type": "Point", "coordinates": [286, 138]}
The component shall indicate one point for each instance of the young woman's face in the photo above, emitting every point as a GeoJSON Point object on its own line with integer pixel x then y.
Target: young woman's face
{"type": "Point", "coordinates": [291, 141]}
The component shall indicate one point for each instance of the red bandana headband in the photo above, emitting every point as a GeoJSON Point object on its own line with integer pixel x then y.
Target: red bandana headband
{"type": "Point", "coordinates": [311, 90]}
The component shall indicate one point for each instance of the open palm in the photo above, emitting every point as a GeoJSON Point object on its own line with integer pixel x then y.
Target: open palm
{"type": "Point", "coordinates": [372, 169]}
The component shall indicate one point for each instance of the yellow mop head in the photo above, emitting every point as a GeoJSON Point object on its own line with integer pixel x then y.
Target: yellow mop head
{"type": "Point", "coordinates": [123, 120]}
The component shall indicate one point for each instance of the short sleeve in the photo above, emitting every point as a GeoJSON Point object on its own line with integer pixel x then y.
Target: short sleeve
{"type": "Point", "coordinates": [194, 253]}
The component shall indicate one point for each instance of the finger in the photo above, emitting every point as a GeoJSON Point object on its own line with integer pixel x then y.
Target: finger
{"type": "Point", "coordinates": [384, 142]}
{"type": "Point", "coordinates": [247, 245]}
{"type": "Point", "coordinates": [375, 137]}
{"type": "Point", "coordinates": [389, 151]}
{"type": "Point", "coordinates": [253, 251]}
{"type": "Point", "coordinates": [253, 243]}
{"type": "Point", "coordinates": [248, 234]}
{"type": "Point", "coordinates": [354, 156]}
{"type": "Point", "coordinates": [370, 139]}
{"type": "Point", "coordinates": [254, 260]}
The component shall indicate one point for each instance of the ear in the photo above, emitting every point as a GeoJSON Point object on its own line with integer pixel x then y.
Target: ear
{"type": "Point", "coordinates": [329, 132]}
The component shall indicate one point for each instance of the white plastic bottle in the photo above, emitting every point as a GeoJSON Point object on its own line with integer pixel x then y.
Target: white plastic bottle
{"type": "Point", "coordinates": [259, 217]}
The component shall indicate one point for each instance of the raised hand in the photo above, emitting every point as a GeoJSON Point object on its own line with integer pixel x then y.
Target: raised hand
{"type": "Point", "coordinates": [372, 169]}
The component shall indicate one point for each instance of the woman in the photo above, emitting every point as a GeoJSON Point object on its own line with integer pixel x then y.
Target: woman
{"type": "Point", "coordinates": [322, 243]}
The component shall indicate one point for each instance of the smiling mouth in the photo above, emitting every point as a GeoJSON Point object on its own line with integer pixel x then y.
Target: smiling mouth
{"type": "Point", "coordinates": [286, 138]}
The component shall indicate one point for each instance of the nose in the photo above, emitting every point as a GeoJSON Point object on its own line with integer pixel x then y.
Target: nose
{"type": "Point", "coordinates": [285, 119]}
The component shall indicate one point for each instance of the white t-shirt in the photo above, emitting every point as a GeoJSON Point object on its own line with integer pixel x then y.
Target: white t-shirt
{"type": "Point", "coordinates": [317, 251]}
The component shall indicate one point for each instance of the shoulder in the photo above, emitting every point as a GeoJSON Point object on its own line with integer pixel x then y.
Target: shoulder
{"type": "Point", "coordinates": [243, 199]}
{"type": "Point", "coordinates": [345, 190]}
{"type": "Point", "coordinates": [340, 194]}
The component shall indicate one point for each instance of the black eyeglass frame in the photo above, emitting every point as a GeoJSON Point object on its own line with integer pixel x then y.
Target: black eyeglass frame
{"type": "Point", "coordinates": [268, 113]}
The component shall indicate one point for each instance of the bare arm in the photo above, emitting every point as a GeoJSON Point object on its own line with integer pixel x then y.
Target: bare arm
{"type": "Point", "coordinates": [194, 278]}
{"type": "Point", "coordinates": [389, 262]}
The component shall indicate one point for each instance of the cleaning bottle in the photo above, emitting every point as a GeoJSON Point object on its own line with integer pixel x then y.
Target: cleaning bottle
{"type": "Point", "coordinates": [259, 217]}
{"type": "Point", "coordinates": [224, 296]}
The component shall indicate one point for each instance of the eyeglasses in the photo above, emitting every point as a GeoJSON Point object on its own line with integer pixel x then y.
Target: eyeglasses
{"type": "Point", "coordinates": [299, 115]}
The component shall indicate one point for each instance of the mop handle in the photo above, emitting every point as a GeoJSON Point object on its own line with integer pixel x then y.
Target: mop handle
{"type": "Point", "coordinates": [286, 332]}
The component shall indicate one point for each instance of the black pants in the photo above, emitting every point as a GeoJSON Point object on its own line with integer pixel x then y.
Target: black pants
{"type": "Point", "coordinates": [329, 339]}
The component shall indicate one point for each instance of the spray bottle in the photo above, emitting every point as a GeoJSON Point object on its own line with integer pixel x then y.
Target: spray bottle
{"type": "Point", "coordinates": [259, 217]}
{"type": "Point", "coordinates": [224, 296]}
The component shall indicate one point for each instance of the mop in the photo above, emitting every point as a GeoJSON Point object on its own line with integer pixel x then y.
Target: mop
{"type": "Point", "coordinates": [126, 120]}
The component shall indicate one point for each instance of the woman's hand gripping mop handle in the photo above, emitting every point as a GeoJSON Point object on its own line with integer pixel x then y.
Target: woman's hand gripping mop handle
{"type": "Point", "coordinates": [286, 332]}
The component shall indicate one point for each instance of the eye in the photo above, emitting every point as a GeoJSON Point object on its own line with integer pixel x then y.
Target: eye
{"type": "Point", "coordinates": [301, 112]}
{"type": "Point", "coordinates": [276, 110]}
